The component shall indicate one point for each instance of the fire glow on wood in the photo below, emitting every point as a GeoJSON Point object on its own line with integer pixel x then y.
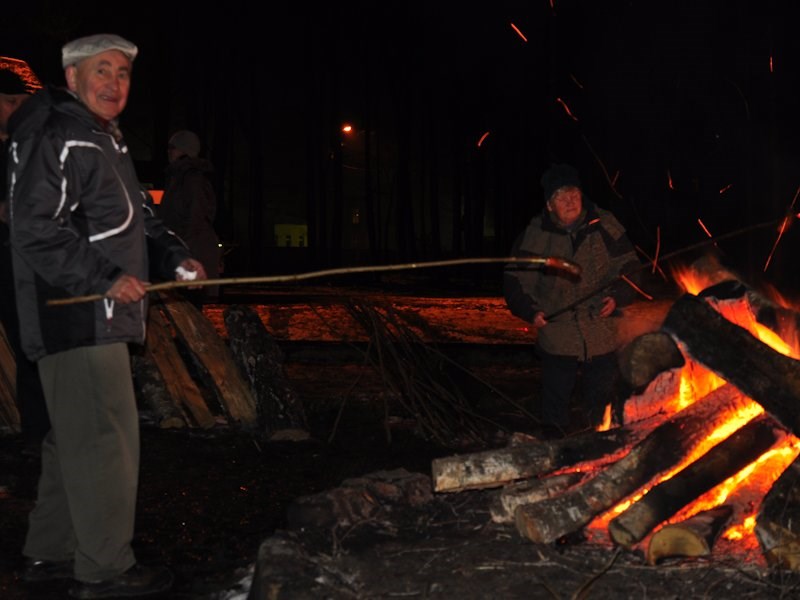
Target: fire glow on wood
{"type": "Point", "coordinates": [696, 454]}
{"type": "Point", "coordinates": [748, 485]}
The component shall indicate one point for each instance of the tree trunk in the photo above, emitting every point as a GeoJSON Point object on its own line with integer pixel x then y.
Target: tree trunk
{"type": "Point", "coordinates": [261, 361]}
{"type": "Point", "coordinates": [664, 448]}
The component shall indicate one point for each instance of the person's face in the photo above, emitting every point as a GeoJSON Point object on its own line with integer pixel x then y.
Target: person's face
{"type": "Point", "coordinates": [566, 205]}
{"type": "Point", "coordinates": [102, 82]}
{"type": "Point", "coordinates": [8, 104]}
{"type": "Point", "coordinates": [173, 153]}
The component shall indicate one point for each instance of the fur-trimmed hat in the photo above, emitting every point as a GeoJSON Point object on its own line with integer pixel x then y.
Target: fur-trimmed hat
{"type": "Point", "coordinates": [557, 177]}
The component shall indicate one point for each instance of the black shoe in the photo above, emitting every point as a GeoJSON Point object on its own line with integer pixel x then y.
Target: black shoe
{"type": "Point", "coordinates": [46, 570]}
{"type": "Point", "coordinates": [136, 581]}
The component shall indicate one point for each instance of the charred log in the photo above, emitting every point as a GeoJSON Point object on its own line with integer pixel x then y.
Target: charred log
{"type": "Point", "coordinates": [260, 359]}
{"type": "Point", "coordinates": [693, 537]}
{"type": "Point", "coordinates": [200, 337]}
{"type": "Point", "coordinates": [647, 356]}
{"type": "Point", "coordinates": [9, 413]}
{"type": "Point", "coordinates": [493, 468]}
{"type": "Point", "coordinates": [151, 390]}
{"type": "Point", "coordinates": [663, 449]}
{"type": "Point", "coordinates": [161, 350]}
{"type": "Point", "coordinates": [768, 377]}
{"type": "Point", "coordinates": [778, 520]}
{"type": "Point", "coordinates": [715, 466]}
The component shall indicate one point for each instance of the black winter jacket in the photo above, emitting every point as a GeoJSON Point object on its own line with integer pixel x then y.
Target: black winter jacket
{"type": "Point", "coordinates": [79, 220]}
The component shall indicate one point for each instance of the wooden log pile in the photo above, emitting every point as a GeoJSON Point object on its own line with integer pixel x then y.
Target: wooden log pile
{"type": "Point", "coordinates": [187, 375]}
{"type": "Point", "coordinates": [661, 465]}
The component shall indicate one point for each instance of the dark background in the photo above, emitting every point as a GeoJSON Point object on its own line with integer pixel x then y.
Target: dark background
{"type": "Point", "coordinates": [673, 111]}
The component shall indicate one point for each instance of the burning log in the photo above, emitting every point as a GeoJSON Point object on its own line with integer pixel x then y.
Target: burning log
{"type": "Point", "coordinates": [693, 537]}
{"type": "Point", "coordinates": [778, 520]}
{"type": "Point", "coordinates": [517, 494]}
{"type": "Point", "coordinates": [160, 348]}
{"type": "Point", "coordinates": [647, 356]}
{"type": "Point", "coordinates": [260, 359]}
{"type": "Point", "coordinates": [767, 376]}
{"type": "Point", "coordinates": [493, 468]}
{"type": "Point", "coordinates": [666, 499]}
{"type": "Point", "coordinates": [663, 449]}
{"type": "Point", "coordinates": [214, 356]}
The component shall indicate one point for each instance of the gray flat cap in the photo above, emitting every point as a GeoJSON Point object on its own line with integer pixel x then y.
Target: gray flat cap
{"type": "Point", "coordinates": [75, 51]}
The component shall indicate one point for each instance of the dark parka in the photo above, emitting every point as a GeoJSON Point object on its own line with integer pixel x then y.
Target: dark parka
{"type": "Point", "coordinates": [79, 220]}
{"type": "Point", "coordinates": [599, 244]}
{"type": "Point", "coordinates": [188, 208]}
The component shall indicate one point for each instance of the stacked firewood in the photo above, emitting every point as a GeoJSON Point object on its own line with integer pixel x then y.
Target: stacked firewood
{"type": "Point", "coordinates": [187, 375]}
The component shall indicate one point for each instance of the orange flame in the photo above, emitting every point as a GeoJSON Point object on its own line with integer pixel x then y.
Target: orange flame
{"type": "Point", "coordinates": [746, 488]}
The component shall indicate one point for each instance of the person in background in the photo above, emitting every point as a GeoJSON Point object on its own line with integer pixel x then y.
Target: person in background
{"type": "Point", "coordinates": [574, 316]}
{"type": "Point", "coordinates": [189, 206]}
{"type": "Point", "coordinates": [17, 83]}
{"type": "Point", "coordinates": [82, 225]}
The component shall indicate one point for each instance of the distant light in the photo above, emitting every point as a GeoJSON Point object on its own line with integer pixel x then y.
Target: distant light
{"type": "Point", "coordinates": [347, 128]}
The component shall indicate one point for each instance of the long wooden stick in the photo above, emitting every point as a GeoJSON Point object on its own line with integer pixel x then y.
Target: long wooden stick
{"type": "Point", "coordinates": [664, 258]}
{"type": "Point", "coordinates": [548, 261]}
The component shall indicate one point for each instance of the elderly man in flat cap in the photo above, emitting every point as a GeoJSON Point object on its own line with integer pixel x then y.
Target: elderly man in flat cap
{"type": "Point", "coordinates": [17, 83]}
{"type": "Point", "coordinates": [79, 223]}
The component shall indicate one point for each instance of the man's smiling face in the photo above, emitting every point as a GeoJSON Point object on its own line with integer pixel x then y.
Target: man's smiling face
{"type": "Point", "coordinates": [102, 82]}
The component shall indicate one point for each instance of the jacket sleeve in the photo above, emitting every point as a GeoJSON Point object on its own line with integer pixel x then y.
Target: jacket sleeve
{"type": "Point", "coordinates": [43, 230]}
{"type": "Point", "coordinates": [519, 302]}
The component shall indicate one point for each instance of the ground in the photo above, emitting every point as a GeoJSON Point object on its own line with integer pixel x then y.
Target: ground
{"type": "Point", "coordinates": [210, 499]}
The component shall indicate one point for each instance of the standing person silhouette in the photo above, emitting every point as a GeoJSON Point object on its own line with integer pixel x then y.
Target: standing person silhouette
{"type": "Point", "coordinates": [189, 206]}
{"type": "Point", "coordinates": [576, 347]}
{"type": "Point", "coordinates": [17, 84]}
{"type": "Point", "coordinates": [82, 225]}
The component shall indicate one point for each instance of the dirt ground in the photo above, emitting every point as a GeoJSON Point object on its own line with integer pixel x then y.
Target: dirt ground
{"type": "Point", "coordinates": [209, 500]}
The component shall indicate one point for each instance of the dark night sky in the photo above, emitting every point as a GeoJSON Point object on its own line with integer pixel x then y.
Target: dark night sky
{"type": "Point", "coordinates": [661, 91]}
